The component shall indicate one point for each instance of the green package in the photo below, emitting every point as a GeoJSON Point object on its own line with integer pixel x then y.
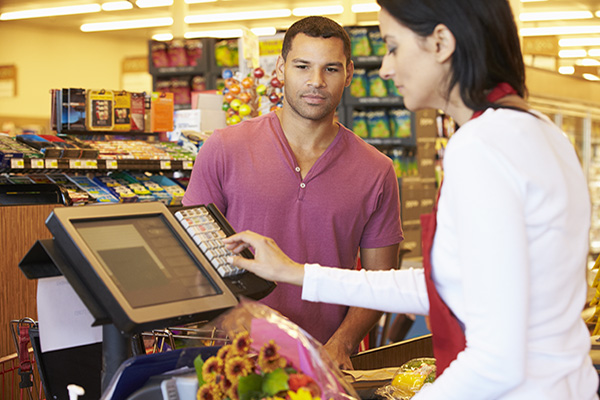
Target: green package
{"type": "Point", "coordinates": [377, 87]}
{"type": "Point", "coordinates": [378, 47]}
{"type": "Point", "coordinates": [359, 123]}
{"type": "Point", "coordinates": [359, 42]}
{"type": "Point", "coordinates": [379, 126]}
{"type": "Point", "coordinates": [360, 85]}
{"type": "Point", "coordinates": [400, 123]}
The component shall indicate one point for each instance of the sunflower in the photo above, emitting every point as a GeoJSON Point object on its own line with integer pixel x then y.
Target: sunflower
{"type": "Point", "coordinates": [224, 383]}
{"type": "Point", "coordinates": [241, 343]}
{"type": "Point", "coordinates": [224, 352]}
{"type": "Point", "coordinates": [233, 391]}
{"type": "Point", "coordinates": [236, 367]}
{"type": "Point", "coordinates": [209, 391]}
{"type": "Point", "coordinates": [211, 369]}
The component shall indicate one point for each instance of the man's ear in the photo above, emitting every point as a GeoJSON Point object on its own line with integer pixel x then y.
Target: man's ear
{"type": "Point", "coordinates": [349, 73]}
{"type": "Point", "coordinates": [444, 41]}
{"type": "Point", "coordinates": [280, 67]}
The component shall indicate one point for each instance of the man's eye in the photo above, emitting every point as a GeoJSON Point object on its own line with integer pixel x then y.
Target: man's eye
{"type": "Point", "coordinates": [332, 70]}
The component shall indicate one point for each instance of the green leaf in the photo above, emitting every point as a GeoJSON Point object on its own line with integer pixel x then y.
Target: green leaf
{"type": "Point", "coordinates": [249, 387]}
{"type": "Point", "coordinates": [198, 363]}
{"type": "Point", "coordinates": [275, 382]}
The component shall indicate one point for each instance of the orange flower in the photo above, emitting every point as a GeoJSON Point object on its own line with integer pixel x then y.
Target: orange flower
{"type": "Point", "coordinates": [241, 343]}
{"type": "Point", "coordinates": [211, 368]}
{"type": "Point", "coordinates": [236, 367]}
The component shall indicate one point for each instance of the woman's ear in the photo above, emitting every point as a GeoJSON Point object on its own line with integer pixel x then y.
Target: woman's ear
{"type": "Point", "coordinates": [444, 42]}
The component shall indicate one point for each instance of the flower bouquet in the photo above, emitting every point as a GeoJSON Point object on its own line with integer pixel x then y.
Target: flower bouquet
{"type": "Point", "coordinates": [269, 358]}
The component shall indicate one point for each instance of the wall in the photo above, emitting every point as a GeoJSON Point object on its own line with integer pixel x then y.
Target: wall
{"type": "Point", "coordinates": [49, 58]}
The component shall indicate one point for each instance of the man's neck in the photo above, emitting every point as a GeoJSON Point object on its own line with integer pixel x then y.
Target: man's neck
{"type": "Point", "coordinates": [305, 134]}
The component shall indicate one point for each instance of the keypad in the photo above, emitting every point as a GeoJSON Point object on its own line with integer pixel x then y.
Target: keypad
{"type": "Point", "coordinates": [208, 235]}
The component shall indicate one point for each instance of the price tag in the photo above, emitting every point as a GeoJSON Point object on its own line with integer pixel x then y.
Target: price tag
{"type": "Point", "coordinates": [187, 164]}
{"type": "Point", "coordinates": [165, 164]}
{"type": "Point", "coordinates": [51, 163]}
{"type": "Point", "coordinates": [38, 163]}
{"type": "Point", "coordinates": [17, 163]}
{"type": "Point", "coordinates": [91, 164]}
{"type": "Point", "coordinates": [75, 163]}
{"type": "Point", "coordinates": [112, 164]}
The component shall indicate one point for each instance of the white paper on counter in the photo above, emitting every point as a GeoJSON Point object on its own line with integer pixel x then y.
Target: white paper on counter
{"type": "Point", "coordinates": [63, 319]}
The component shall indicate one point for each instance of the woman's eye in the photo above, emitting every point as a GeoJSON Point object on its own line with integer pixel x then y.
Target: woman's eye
{"type": "Point", "coordinates": [391, 50]}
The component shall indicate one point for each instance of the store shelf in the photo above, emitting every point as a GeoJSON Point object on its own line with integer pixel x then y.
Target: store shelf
{"type": "Point", "coordinates": [25, 165]}
{"type": "Point", "coordinates": [392, 101]}
{"type": "Point", "coordinates": [391, 141]}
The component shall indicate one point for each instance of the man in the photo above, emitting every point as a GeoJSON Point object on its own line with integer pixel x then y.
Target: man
{"type": "Point", "coordinates": [299, 177]}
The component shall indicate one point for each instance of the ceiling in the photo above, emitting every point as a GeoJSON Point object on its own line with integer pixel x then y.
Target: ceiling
{"type": "Point", "coordinates": [74, 22]}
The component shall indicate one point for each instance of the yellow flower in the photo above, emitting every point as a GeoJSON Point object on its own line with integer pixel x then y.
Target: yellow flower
{"type": "Point", "coordinates": [208, 391]}
{"type": "Point", "coordinates": [269, 359]}
{"type": "Point", "coordinates": [233, 391]}
{"type": "Point", "coordinates": [224, 352]}
{"type": "Point", "coordinates": [211, 368]}
{"type": "Point", "coordinates": [236, 367]}
{"type": "Point", "coordinates": [241, 343]}
{"type": "Point", "coordinates": [302, 394]}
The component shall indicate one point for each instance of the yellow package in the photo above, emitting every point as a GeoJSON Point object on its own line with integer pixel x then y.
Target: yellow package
{"type": "Point", "coordinates": [122, 111]}
{"type": "Point", "coordinates": [99, 107]}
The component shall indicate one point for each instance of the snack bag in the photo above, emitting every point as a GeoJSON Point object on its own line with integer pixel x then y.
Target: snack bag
{"type": "Point", "coordinates": [378, 47]}
{"type": "Point", "coordinates": [400, 123]}
{"type": "Point", "coordinates": [359, 123]}
{"type": "Point", "coordinates": [409, 379]}
{"type": "Point", "coordinates": [378, 123]}
{"type": "Point", "coordinates": [359, 87]}
{"type": "Point", "coordinates": [359, 42]}
{"type": "Point", "coordinates": [269, 357]}
{"type": "Point", "coordinates": [377, 86]}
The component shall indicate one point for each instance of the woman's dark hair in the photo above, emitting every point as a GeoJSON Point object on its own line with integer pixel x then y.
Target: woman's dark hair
{"type": "Point", "coordinates": [317, 27]}
{"type": "Point", "coordinates": [488, 50]}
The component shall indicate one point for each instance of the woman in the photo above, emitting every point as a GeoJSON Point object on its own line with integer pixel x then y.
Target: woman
{"type": "Point", "coordinates": [504, 269]}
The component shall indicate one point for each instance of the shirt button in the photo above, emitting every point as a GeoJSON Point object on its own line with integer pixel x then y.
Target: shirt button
{"type": "Point", "coordinates": [302, 185]}
{"type": "Point", "coordinates": [297, 169]}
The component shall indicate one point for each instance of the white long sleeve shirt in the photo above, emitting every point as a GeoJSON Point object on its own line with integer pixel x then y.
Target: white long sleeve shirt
{"type": "Point", "coordinates": [508, 258]}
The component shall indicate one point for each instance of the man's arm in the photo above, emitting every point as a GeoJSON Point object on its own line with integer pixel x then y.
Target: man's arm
{"type": "Point", "coordinates": [359, 321]}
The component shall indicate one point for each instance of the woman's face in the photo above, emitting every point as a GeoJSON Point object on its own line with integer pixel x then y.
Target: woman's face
{"type": "Point", "coordinates": [414, 64]}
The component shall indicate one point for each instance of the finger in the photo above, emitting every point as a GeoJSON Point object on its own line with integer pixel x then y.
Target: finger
{"type": "Point", "coordinates": [240, 262]}
{"type": "Point", "coordinates": [248, 237]}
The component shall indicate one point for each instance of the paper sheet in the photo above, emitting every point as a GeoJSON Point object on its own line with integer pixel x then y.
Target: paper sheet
{"type": "Point", "coordinates": [63, 319]}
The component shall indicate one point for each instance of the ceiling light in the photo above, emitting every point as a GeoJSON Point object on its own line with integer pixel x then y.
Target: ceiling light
{"type": "Point", "coordinates": [237, 16]}
{"type": "Point", "coordinates": [325, 10]}
{"type": "Point", "coordinates": [531, 1]}
{"type": "Point", "coordinates": [579, 53]}
{"type": "Point", "coordinates": [594, 52]}
{"type": "Point", "coordinates": [153, 3]}
{"type": "Point", "coordinates": [163, 37]}
{"type": "Point", "coordinates": [560, 30]}
{"type": "Point", "coordinates": [117, 5]}
{"type": "Point", "coordinates": [365, 7]}
{"type": "Point", "coordinates": [588, 62]}
{"type": "Point", "coordinates": [555, 15]}
{"type": "Point", "coordinates": [50, 12]}
{"type": "Point", "coordinates": [200, 1]}
{"type": "Point", "coordinates": [591, 77]}
{"type": "Point", "coordinates": [566, 70]}
{"type": "Point", "coordinates": [222, 34]}
{"type": "Point", "coordinates": [579, 42]}
{"type": "Point", "coordinates": [133, 24]}
{"type": "Point", "coordinates": [267, 31]}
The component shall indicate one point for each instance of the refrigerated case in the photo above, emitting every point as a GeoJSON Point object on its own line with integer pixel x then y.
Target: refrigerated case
{"type": "Point", "coordinates": [581, 123]}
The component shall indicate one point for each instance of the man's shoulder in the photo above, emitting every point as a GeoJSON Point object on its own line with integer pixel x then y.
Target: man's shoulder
{"type": "Point", "coordinates": [359, 148]}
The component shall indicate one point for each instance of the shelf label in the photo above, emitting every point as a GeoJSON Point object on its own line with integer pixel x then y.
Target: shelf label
{"type": "Point", "coordinates": [38, 163]}
{"type": "Point", "coordinates": [51, 163]}
{"type": "Point", "coordinates": [17, 163]}
{"type": "Point", "coordinates": [165, 164]}
{"type": "Point", "coordinates": [187, 164]}
{"type": "Point", "coordinates": [112, 164]}
{"type": "Point", "coordinates": [91, 164]}
{"type": "Point", "coordinates": [75, 163]}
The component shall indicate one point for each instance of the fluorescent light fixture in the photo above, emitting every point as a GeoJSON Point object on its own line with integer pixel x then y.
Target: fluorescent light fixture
{"type": "Point", "coordinates": [324, 10]}
{"type": "Point", "coordinates": [117, 5]}
{"type": "Point", "coordinates": [588, 62]}
{"type": "Point", "coordinates": [598, 14]}
{"type": "Point", "coordinates": [365, 7]}
{"type": "Point", "coordinates": [237, 16]}
{"type": "Point", "coordinates": [578, 53]}
{"type": "Point", "coordinates": [560, 30]}
{"type": "Point", "coordinates": [531, 1]}
{"type": "Point", "coordinates": [50, 12]}
{"type": "Point", "coordinates": [591, 77]}
{"type": "Point", "coordinates": [163, 37]}
{"type": "Point", "coordinates": [555, 15]}
{"type": "Point", "coordinates": [153, 3]}
{"type": "Point", "coordinates": [133, 24]}
{"type": "Point", "coordinates": [200, 1]}
{"type": "Point", "coordinates": [594, 52]}
{"type": "Point", "coordinates": [266, 31]}
{"type": "Point", "coordinates": [566, 70]}
{"type": "Point", "coordinates": [579, 42]}
{"type": "Point", "coordinates": [222, 34]}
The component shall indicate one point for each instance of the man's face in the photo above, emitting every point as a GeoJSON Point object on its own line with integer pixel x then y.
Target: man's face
{"type": "Point", "coordinates": [314, 74]}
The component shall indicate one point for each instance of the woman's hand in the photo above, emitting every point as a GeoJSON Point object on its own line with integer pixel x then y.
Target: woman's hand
{"type": "Point", "coordinates": [269, 261]}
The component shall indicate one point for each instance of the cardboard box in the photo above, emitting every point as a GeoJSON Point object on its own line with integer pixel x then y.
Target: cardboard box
{"type": "Point", "coordinates": [426, 124]}
{"type": "Point", "coordinates": [410, 198]}
{"type": "Point", "coordinates": [412, 238]}
{"type": "Point", "coordinates": [212, 115]}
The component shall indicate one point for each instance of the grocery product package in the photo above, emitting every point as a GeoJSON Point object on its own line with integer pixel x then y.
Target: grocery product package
{"type": "Point", "coordinates": [409, 379]}
{"type": "Point", "coordinates": [269, 357]}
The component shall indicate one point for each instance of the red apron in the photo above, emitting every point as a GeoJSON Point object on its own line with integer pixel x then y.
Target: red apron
{"type": "Point", "coordinates": [448, 336]}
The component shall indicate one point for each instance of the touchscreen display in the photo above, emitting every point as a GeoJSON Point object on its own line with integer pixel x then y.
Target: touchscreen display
{"type": "Point", "coordinates": [146, 260]}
